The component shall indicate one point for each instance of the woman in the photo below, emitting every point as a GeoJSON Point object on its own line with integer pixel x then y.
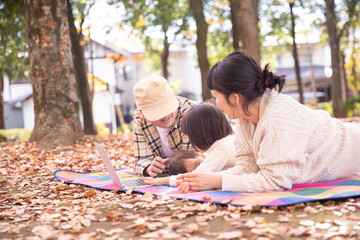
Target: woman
{"type": "Point", "coordinates": [279, 142]}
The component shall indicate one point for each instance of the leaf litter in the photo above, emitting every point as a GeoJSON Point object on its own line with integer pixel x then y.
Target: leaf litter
{"type": "Point", "coordinates": [34, 205]}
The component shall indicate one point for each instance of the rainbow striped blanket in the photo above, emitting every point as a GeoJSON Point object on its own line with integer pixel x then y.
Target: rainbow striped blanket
{"type": "Point", "coordinates": [343, 188]}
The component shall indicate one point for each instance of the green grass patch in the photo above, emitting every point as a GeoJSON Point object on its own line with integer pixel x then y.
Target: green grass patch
{"type": "Point", "coordinates": [16, 134]}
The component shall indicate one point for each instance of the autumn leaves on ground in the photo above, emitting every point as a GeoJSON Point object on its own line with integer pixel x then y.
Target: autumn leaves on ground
{"type": "Point", "coordinates": [34, 205]}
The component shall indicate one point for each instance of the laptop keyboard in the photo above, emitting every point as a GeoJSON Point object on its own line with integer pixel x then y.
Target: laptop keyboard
{"type": "Point", "coordinates": [133, 183]}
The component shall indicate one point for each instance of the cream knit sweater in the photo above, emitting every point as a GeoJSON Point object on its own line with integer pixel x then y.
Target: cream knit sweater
{"type": "Point", "coordinates": [291, 144]}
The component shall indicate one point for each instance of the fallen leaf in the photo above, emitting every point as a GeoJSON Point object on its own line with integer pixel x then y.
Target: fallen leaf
{"type": "Point", "coordinates": [205, 198]}
{"type": "Point", "coordinates": [307, 223]}
{"type": "Point", "coordinates": [45, 231]}
{"type": "Point", "coordinates": [148, 196]}
{"type": "Point", "coordinates": [230, 235]}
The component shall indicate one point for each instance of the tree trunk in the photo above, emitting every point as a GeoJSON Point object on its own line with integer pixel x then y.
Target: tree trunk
{"type": "Point", "coordinates": [354, 73]}
{"type": "Point", "coordinates": [81, 75]}
{"type": "Point", "coordinates": [202, 30]}
{"type": "Point", "coordinates": [56, 103]}
{"type": "Point", "coordinates": [236, 30]}
{"type": "Point", "coordinates": [338, 106]}
{"type": "Point", "coordinates": [164, 58]}
{"type": "Point", "coordinates": [344, 82]}
{"type": "Point", "coordinates": [2, 119]}
{"type": "Point", "coordinates": [248, 21]}
{"type": "Point", "coordinates": [295, 55]}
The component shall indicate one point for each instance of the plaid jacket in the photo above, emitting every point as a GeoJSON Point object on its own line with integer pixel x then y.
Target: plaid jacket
{"type": "Point", "coordinates": [147, 144]}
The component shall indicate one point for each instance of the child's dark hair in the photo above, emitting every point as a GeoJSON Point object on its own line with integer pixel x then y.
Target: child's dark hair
{"type": "Point", "coordinates": [176, 165]}
{"type": "Point", "coordinates": [239, 73]}
{"type": "Point", "coordinates": [205, 123]}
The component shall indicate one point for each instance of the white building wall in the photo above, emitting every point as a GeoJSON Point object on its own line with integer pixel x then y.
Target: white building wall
{"type": "Point", "coordinates": [28, 113]}
{"type": "Point", "coordinates": [137, 73]}
{"type": "Point", "coordinates": [184, 66]}
{"type": "Point", "coordinates": [102, 107]}
{"type": "Point", "coordinates": [320, 56]}
{"type": "Point", "coordinates": [105, 70]}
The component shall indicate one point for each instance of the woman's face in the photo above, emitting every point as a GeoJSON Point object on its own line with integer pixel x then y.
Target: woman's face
{"type": "Point", "coordinates": [233, 111]}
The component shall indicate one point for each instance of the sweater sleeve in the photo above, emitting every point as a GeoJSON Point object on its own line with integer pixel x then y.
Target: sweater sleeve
{"type": "Point", "coordinates": [280, 160]}
{"type": "Point", "coordinates": [172, 180]}
{"type": "Point", "coordinates": [245, 159]}
{"type": "Point", "coordinates": [214, 161]}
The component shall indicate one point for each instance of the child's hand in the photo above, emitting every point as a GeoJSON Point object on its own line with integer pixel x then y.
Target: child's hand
{"type": "Point", "coordinates": [198, 181]}
{"type": "Point", "coordinates": [183, 186]}
{"type": "Point", "coordinates": [156, 181]}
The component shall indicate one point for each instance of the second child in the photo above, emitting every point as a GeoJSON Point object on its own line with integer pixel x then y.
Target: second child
{"type": "Point", "coordinates": [210, 133]}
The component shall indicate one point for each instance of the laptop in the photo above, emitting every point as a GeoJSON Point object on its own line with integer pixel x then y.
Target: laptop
{"type": "Point", "coordinates": [123, 184]}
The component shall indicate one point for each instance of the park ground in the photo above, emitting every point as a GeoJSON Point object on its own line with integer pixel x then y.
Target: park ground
{"type": "Point", "coordinates": [34, 205]}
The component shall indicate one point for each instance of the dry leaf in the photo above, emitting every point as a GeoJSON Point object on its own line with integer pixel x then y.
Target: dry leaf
{"type": "Point", "coordinates": [307, 223]}
{"type": "Point", "coordinates": [148, 196]}
{"type": "Point", "coordinates": [45, 231]}
{"type": "Point", "coordinates": [230, 235]}
{"type": "Point", "coordinates": [90, 193]}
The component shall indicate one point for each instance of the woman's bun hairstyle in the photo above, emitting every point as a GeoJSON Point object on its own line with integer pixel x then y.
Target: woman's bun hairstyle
{"type": "Point", "coordinates": [270, 80]}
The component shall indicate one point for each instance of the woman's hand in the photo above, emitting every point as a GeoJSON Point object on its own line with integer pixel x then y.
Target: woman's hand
{"type": "Point", "coordinates": [156, 181]}
{"type": "Point", "coordinates": [198, 181]}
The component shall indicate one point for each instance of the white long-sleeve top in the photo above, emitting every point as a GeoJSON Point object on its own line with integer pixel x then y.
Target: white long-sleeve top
{"type": "Point", "coordinates": [220, 156]}
{"type": "Point", "coordinates": [291, 144]}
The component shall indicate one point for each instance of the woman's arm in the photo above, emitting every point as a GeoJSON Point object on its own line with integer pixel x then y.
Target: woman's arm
{"type": "Point", "coordinates": [280, 160]}
{"type": "Point", "coordinates": [198, 181]}
{"type": "Point", "coordinates": [254, 182]}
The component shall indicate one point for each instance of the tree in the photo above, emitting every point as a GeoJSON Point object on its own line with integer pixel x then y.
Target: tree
{"type": "Point", "coordinates": [335, 34]}
{"type": "Point", "coordinates": [236, 30]}
{"type": "Point", "coordinates": [56, 103]}
{"type": "Point", "coordinates": [165, 16]}
{"type": "Point", "coordinates": [2, 120]}
{"type": "Point", "coordinates": [201, 46]}
{"type": "Point", "coordinates": [14, 61]}
{"type": "Point", "coordinates": [246, 26]}
{"type": "Point", "coordinates": [80, 68]}
{"type": "Point", "coordinates": [352, 65]}
{"type": "Point", "coordinates": [295, 53]}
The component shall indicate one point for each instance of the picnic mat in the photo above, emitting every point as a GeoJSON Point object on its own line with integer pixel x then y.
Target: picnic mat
{"type": "Point", "coordinates": [343, 188]}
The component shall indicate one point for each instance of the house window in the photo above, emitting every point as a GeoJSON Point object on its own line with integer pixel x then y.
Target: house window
{"type": "Point", "coordinates": [125, 72]}
{"type": "Point", "coordinates": [304, 58]}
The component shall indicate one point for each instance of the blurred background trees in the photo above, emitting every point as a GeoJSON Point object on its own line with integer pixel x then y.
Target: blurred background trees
{"type": "Point", "coordinates": [14, 61]}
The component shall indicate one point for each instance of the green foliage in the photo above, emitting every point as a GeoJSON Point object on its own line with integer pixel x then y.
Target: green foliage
{"type": "Point", "coordinates": [14, 60]}
{"type": "Point", "coordinates": [16, 134]}
{"type": "Point", "coordinates": [80, 7]}
{"type": "Point", "coordinates": [102, 129]}
{"type": "Point", "coordinates": [176, 85]}
{"type": "Point", "coordinates": [127, 128]}
{"type": "Point", "coordinates": [220, 45]}
{"type": "Point", "coordinates": [326, 106]}
{"type": "Point", "coordinates": [149, 17]}
{"type": "Point", "coordinates": [220, 30]}
{"type": "Point", "coordinates": [275, 20]}
{"type": "Point", "coordinates": [352, 106]}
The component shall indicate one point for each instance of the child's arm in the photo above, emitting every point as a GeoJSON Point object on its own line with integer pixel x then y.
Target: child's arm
{"type": "Point", "coordinates": [156, 181]}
